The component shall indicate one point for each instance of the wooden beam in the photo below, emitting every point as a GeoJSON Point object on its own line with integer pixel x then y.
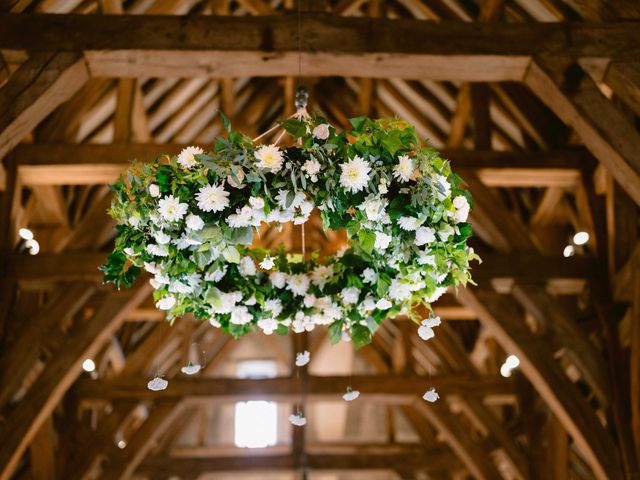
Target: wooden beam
{"type": "Point", "coordinates": [526, 267]}
{"type": "Point", "coordinates": [42, 452]}
{"type": "Point", "coordinates": [390, 388]}
{"type": "Point", "coordinates": [42, 83]}
{"type": "Point", "coordinates": [624, 80]}
{"type": "Point", "coordinates": [541, 368]}
{"type": "Point", "coordinates": [58, 375]}
{"type": "Point", "coordinates": [434, 459]}
{"type": "Point", "coordinates": [603, 129]}
{"type": "Point", "coordinates": [86, 164]}
{"type": "Point", "coordinates": [157, 46]}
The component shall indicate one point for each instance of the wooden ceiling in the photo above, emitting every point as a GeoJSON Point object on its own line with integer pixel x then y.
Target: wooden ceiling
{"type": "Point", "coordinates": [537, 104]}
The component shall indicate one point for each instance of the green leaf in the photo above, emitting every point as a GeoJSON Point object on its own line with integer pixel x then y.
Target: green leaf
{"type": "Point", "coordinates": [335, 332]}
{"type": "Point", "coordinates": [225, 121]}
{"type": "Point", "coordinates": [242, 236]}
{"type": "Point", "coordinates": [367, 240]}
{"type": "Point", "coordinates": [295, 127]}
{"type": "Point", "coordinates": [360, 335]}
{"type": "Point", "coordinates": [357, 122]}
{"type": "Point", "coordinates": [231, 254]}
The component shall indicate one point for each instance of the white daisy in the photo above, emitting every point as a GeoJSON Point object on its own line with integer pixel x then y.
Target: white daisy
{"type": "Point", "coordinates": [303, 358]}
{"type": "Point", "coordinates": [355, 174]}
{"type": "Point", "coordinates": [212, 198]}
{"type": "Point", "coordinates": [269, 157]}
{"type": "Point", "coordinates": [403, 171]}
{"type": "Point", "coordinates": [171, 209]}
{"type": "Point", "coordinates": [187, 159]}
{"type": "Point", "coordinates": [298, 284]}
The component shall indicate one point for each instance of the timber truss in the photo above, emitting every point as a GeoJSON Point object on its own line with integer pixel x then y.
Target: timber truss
{"type": "Point", "coordinates": [536, 102]}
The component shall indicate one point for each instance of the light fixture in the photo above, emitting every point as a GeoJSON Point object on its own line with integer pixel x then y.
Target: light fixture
{"type": "Point", "coordinates": [33, 246]}
{"type": "Point", "coordinates": [512, 362]}
{"type": "Point", "coordinates": [122, 444]}
{"type": "Point", "coordinates": [88, 365]}
{"type": "Point", "coordinates": [505, 371]}
{"type": "Point", "coordinates": [25, 234]}
{"type": "Point", "coordinates": [580, 238]}
{"type": "Point", "coordinates": [569, 251]}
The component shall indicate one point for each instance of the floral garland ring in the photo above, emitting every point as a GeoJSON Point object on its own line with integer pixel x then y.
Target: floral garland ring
{"type": "Point", "coordinates": [189, 221]}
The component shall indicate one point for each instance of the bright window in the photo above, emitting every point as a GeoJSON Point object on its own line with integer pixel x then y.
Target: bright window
{"type": "Point", "coordinates": [256, 421]}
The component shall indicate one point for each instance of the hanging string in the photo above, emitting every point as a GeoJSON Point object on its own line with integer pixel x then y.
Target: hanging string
{"type": "Point", "coordinates": [299, 35]}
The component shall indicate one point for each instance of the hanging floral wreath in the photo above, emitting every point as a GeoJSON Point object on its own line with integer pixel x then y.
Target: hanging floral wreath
{"type": "Point", "coordinates": [189, 221]}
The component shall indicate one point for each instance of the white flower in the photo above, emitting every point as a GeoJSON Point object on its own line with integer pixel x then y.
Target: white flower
{"type": "Point", "coordinates": [383, 304]}
{"type": "Point", "coordinates": [399, 291]}
{"type": "Point", "coordinates": [240, 315]}
{"type": "Point", "coordinates": [321, 131]}
{"type": "Point", "coordinates": [409, 224]}
{"type": "Point", "coordinates": [269, 157]}
{"type": "Point", "coordinates": [382, 241]}
{"type": "Point", "coordinates": [369, 276]}
{"type": "Point", "coordinates": [431, 395]}
{"type": "Point", "coordinates": [171, 209]}
{"type": "Point", "coordinates": [355, 174]}
{"type": "Point", "coordinates": [166, 303]}
{"type": "Point", "coordinates": [187, 159]}
{"type": "Point", "coordinates": [404, 169]}
{"type": "Point", "coordinates": [227, 302]}
{"type": "Point", "coordinates": [425, 235]}
{"type": "Point", "coordinates": [134, 221]}
{"type": "Point", "coordinates": [152, 268]}
{"type": "Point", "coordinates": [213, 321]}
{"type": "Point", "coordinates": [191, 369]}
{"type": "Point", "coordinates": [437, 294]}
{"type": "Point", "coordinates": [212, 198]}
{"type": "Point", "coordinates": [303, 358]}
{"type": "Point", "coordinates": [425, 332]}
{"type": "Point", "coordinates": [154, 190]}
{"type": "Point", "coordinates": [309, 300]}
{"type": "Point", "coordinates": [350, 395]}
{"type": "Point", "coordinates": [298, 284]}
{"type": "Point", "coordinates": [425, 259]}
{"type": "Point", "coordinates": [242, 217]}
{"type": "Point", "coordinates": [445, 231]}
{"type": "Point", "coordinates": [267, 263]}
{"type": "Point", "coordinates": [194, 222]}
{"type": "Point", "coordinates": [283, 196]}
{"type": "Point", "coordinates": [373, 208]}
{"type": "Point", "coordinates": [162, 238]}
{"type": "Point", "coordinates": [321, 275]}
{"type": "Point", "coordinates": [130, 252]}
{"type": "Point", "coordinates": [350, 295]}
{"type": "Point", "coordinates": [298, 420]}
{"type": "Point", "coordinates": [178, 287]}
{"type": "Point", "coordinates": [443, 187]}
{"type": "Point", "coordinates": [274, 306]}
{"type": "Point", "coordinates": [256, 202]}
{"type": "Point", "coordinates": [462, 209]}
{"type": "Point", "coordinates": [278, 279]}
{"type": "Point", "coordinates": [157, 383]}
{"type": "Point", "coordinates": [268, 325]}
{"type": "Point", "coordinates": [215, 275]}
{"type": "Point", "coordinates": [157, 250]}
{"type": "Point", "coordinates": [312, 167]}
{"type": "Point", "coordinates": [382, 186]}
{"type": "Point", "coordinates": [247, 267]}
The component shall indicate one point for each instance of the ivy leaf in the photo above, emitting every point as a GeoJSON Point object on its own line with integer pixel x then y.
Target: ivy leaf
{"type": "Point", "coordinates": [360, 335]}
{"type": "Point", "coordinates": [295, 127]}
{"type": "Point", "coordinates": [335, 332]}
{"type": "Point", "coordinates": [367, 240]}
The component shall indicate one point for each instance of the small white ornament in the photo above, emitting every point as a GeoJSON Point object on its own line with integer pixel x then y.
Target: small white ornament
{"type": "Point", "coordinates": [297, 419]}
{"type": "Point", "coordinates": [191, 369]}
{"type": "Point", "coordinates": [154, 190]}
{"type": "Point", "coordinates": [157, 383]}
{"type": "Point", "coordinates": [303, 358]}
{"type": "Point", "coordinates": [431, 395]}
{"type": "Point", "coordinates": [351, 395]}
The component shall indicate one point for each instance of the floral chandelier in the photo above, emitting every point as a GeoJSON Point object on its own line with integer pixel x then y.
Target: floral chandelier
{"type": "Point", "coordinates": [189, 220]}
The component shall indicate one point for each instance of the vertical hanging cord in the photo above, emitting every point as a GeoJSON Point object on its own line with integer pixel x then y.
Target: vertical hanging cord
{"type": "Point", "coordinates": [299, 43]}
